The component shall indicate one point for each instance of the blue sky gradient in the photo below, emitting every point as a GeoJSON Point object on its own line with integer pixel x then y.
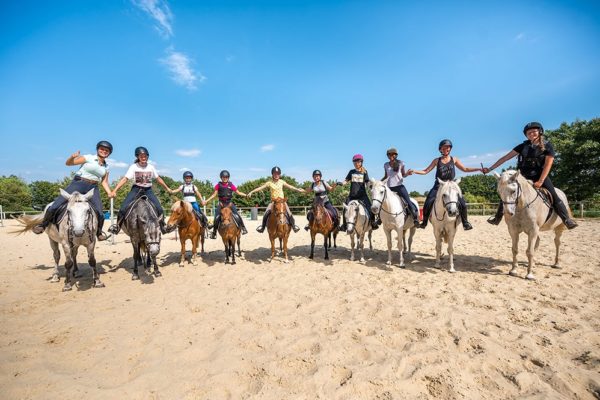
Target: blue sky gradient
{"type": "Point", "coordinates": [245, 85]}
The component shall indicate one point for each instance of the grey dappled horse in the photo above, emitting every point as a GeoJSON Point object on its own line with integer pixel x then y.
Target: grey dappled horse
{"type": "Point", "coordinates": [358, 224]}
{"type": "Point", "coordinates": [445, 218]}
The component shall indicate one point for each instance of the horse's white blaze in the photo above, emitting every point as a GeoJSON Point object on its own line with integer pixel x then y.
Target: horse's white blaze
{"type": "Point", "coordinates": [444, 219]}
{"type": "Point", "coordinates": [357, 221]}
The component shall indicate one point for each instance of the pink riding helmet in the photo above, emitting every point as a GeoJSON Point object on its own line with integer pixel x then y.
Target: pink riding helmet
{"type": "Point", "coordinates": [357, 157]}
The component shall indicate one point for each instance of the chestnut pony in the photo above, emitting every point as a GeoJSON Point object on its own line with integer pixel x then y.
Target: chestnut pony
{"type": "Point", "coordinates": [279, 227]}
{"type": "Point", "coordinates": [182, 216]}
{"type": "Point", "coordinates": [230, 233]}
{"type": "Point", "coordinates": [322, 222]}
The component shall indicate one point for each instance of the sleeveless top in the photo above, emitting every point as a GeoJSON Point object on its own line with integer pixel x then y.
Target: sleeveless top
{"type": "Point", "coordinates": [532, 158]}
{"type": "Point", "coordinates": [445, 172]}
{"type": "Point", "coordinates": [394, 177]}
{"type": "Point", "coordinates": [189, 192]}
{"type": "Point", "coordinates": [276, 189]}
{"type": "Point", "coordinates": [91, 170]}
{"type": "Point", "coordinates": [320, 190]}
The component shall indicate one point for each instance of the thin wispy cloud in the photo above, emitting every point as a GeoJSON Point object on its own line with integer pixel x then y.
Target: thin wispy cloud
{"type": "Point", "coordinates": [112, 163]}
{"type": "Point", "coordinates": [184, 169]}
{"type": "Point", "coordinates": [520, 36]}
{"type": "Point", "coordinates": [230, 58]}
{"type": "Point", "coordinates": [188, 152]}
{"type": "Point", "coordinates": [267, 147]}
{"type": "Point", "coordinates": [486, 158]}
{"type": "Point", "coordinates": [160, 12]}
{"type": "Point", "coordinates": [180, 68]}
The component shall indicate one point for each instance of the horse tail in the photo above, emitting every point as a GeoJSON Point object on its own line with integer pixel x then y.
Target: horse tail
{"type": "Point", "coordinates": [27, 222]}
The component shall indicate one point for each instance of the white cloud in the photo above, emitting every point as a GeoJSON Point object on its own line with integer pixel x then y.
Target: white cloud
{"type": "Point", "coordinates": [188, 152]}
{"type": "Point", "coordinates": [267, 147]}
{"type": "Point", "coordinates": [116, 164]}
{"type": "Point", "coordinates": [160, 12]}
{"type": "Point", "coordinates": [520, 36]}
{"type": "Point", "coordinates": [184, 169]}
{"type": "Point", "coordinates": [230, 58]}
{"type": "Point", "coordinates": [182, 73]}
{"type": "Point", "coordinates": [486, 159]}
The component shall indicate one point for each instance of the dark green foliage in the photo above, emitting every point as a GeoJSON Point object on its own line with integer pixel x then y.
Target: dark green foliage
{"type": "Point", "coordinates": [43, 192]}
{"type": "Point", "coordinates": [480, 187]}
{"type": "Point", "coordinates": [14, 194]}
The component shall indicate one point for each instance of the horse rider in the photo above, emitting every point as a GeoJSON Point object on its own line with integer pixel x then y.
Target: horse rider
{"type": "Point", "coordinates": [321, 189]}
{"type": "Point", "coordinates": [358, 178]}
{"type": "Point", "coordinates": [276, 185]}
{"type": "Point", "coordinates": [225, 190]}
{"type": "Point", "coordinates": [93, 170]}
{"type": "Point", "coordinates": [536, 156]}
{"type": "Point", "coordinates": [142, 174]}
{"type": "Point", "coordinates": [190, 191]}
{"type": "Point", "coordinates": [395, 174]}
{"type": "Point", "coordinates": [446, 171]}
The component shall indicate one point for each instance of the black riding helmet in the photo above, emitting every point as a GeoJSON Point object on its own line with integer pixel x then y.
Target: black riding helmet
{"type": "Point", "coordinates": [141, 150]}
{"type": "Point", "coordinates": [224, 174]}
{"type": "Point", "coordinates": [445, 142]}
{"type": "Point", "coordinates": [105, 143]}
{"type": "Point", "coordinates": [188, 174]}
{"type": "Point", "coordinates": [317, 172]}
{"type": "Point", "coordinates": [275, 170]}
{"type": "Point", "coordinates": [533, 125]}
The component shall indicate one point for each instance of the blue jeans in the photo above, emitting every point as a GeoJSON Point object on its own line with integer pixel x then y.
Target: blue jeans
{"type": "Point", "coordinates": [138, 191]}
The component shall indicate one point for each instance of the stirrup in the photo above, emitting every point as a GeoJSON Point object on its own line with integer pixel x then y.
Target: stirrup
{"type": "Point", "coordinates": [114, 229]}
{"type": "Point", "coordinates": [494, 221]}
{"type": "Point", "coordinates": [260, 229]}
{"type": "Point", "coordinates": [467, 226]}
{"type": "Point", "coordinates": [295, 228]}
{"type": "Point", "coordinates": [102, 236]}
{"type": "Point", "coordinates": [307, 228]}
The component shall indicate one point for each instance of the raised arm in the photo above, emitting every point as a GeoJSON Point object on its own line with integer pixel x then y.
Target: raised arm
{"type": "Point", "coordinates": [287, 185]}
{"type": "Point", "coordinates": [212, 196]}
{"type": "Point", "coordinates": [75, 159]}
{"type": "Point", "coordinates": [239, 192]}
{"type": "Point", "coordinates": [163, 184]}
{"type": "Point", "coordinates": [501, 161]}
{"type": "Point", "coordinates": [423, 171]}
{"type": "Point", "coordinates": [460, 166]}
{"type": "Point", "coordinates": [120, 184]}
{"type": "Point", "coordinates": [258, 189]}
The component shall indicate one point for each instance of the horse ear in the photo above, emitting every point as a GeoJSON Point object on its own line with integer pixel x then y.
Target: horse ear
{"type": "Point", "coordinates": [345, 206]}
{"type": "Point", "coordinates": [514, 177]}
{"type": "Point", "coordinates": [440, 181]}
{"type": "Point", "coordinates": [89, 194]}
{"type": "Point", "coordinates": [458, 181]}
{"type": "Point", "coordinates": [64, 194]}
{"type": "Point", "coordinates": [385, 180]}
{"type": "Point", "coordinates": [496, 175]}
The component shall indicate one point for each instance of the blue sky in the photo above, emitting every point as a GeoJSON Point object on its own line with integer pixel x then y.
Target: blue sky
{"type": "Point", "coordinates": [245, 85]}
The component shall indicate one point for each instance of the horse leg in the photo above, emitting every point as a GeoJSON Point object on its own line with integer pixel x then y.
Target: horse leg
{"type": "Point", "coordinates": [280, 245]}
{"type": "Point", "coordinates": [326, 242]}
{"type": "Point", "coordinates": [56, 254]}
{"type": "Point", "coordinates": [238, 243]}
{"type": "Point", "coordinates": [370, 242]}
{"type": "Point", "coordinates": [157, 273]}
{"type": "Point", "coordinates": [361, 246]}
{"type": "Point", "coordinates": [182, 258]}
{"type": "Point", "coordinates": [195, 240]}
{"type": "Point", "coordinates": [232, 247]}
{"type": "Point", "coordinates": [451, 252]}
{"type": "Point", "coordinates": [515, 252]}
{"type": "Point", "coordinates": [438, 248]}
{"type": "Point", "coordinates": [400, 233]}
{"type": "Point", "coordinates": [531, 238]}
{"type": "Point", "coordinates": [272, 248]}
{"type": "Point", "coordinates": [388, 236]}
{"type": "Point", "coordinates": [312, 245]}
{"type": "Point", "coordinates": [537, 243]}
{"type": "Point", "coordinates": [68, 267]}
{"type": "Point", "coordinates": [557, 235]}
{"type": "Point", "coordinates": [285, 248]}
{"type": "Point", "coordinates": [92, 262]}
{"type": "Point", "coordinates": [352, 247]}
{"type": "Point", "coordinates": [226, 244]}
{"type": "Point", "coordinates": [136, 258]}
{"type": "Point", "coordinates": [411, 236]}
{"type": "Point", "coordinates": [202, 241]}
{"type": "Point", "coordinates": [335, 233]}
{"type": "Point", "coordinates": [76, 273]}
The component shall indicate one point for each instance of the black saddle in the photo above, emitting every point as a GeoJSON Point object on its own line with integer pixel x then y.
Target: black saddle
{"type": "Point", "coordinates": [140, 197]}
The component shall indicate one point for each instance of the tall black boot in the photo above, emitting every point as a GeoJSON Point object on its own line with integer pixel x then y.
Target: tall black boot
{"type": "Point", "coordinates": [213, 234]}
{"type": "Point", "coordinates": [414, 213]}
{"type": "Point", "coordinates": [375, 221]}
{"type": "Point", "coordinates": [293, 223]}
{"type": "Point", "coordinates": [561, 210]}
{"type": "Point", "coordinates": [261, 228]}
{"type": "Point", "coordinates": [427, 207]}
{"type": "Point", "coordinates": [48, 218]}
{"type": "Point", "coordinates": [464, 217]}
{"type": "Point", "coordinates": [309, 217]}
{"type": "Point", "coordinates": [99, 234]}
{"type": "Point", "coordinates": [496, 219]}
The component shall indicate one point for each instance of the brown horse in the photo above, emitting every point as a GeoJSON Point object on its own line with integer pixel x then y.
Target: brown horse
{"type": "Point", "coordinates": [322, 223]}
{"type": "Point", "coordinates": [279, 227]}
{"type": "Point", "coordinates": [182, 216]}
{"type": "Point", "coordinates": [230, 233]}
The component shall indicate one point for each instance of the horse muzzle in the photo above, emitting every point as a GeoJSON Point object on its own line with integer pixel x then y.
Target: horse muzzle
{"type": "Point", "coordinates": [374, 209]}
{"type": "Point", "coordinates": [153, 249]}
{"type": "Point", "coordinates": [78, 232]}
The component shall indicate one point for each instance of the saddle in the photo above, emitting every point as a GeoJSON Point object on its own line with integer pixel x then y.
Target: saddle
{"type": "Point", "coordinates": [405, 206]}
{"type": "Point", "coordinates": [60, 214]}
{"type": "Point", "coordinates": [548, 200]}
{"type": "Point", "coordinates": [137, 199]}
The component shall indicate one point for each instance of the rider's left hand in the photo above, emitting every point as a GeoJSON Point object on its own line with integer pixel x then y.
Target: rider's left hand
{"type": "Point", "coordinates": [538, 184]}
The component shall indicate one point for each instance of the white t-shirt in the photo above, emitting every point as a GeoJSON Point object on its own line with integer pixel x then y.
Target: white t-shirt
{"type": "Point", "coordinates": [394, 177]}
{"type": "Point", "coordinates": [189, 192]}
{"type": "Point", "coordinates": [142, 176]}
{"type": "Point", "coordinates": [91, 170]}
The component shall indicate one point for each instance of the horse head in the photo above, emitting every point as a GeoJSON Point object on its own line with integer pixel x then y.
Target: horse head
{"type": "Point", "coordinates": [378, 194]}
{"type": "Point", "coordinates": [450, 193]}
{"type": "Point", "coordinates": [179, 210]}
{"type": "Point", "coordinates": [351, 211]}
{"type": "Point", "coordinates": [226, 215]}
{"type": "Point", "coordinates": [79, 211]}
{"type": "Point", "coordinates": [280, 210]}
{"type": "Point", "coordinates": [509, 189]}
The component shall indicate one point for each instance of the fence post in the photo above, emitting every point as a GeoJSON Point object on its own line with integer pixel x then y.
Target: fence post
{"type": "Point", "coordinates": [581, 209]}
{"type": "Point", "coordinates": [1, 216]}
{"type": "Point", "coordinates": [112, 218]}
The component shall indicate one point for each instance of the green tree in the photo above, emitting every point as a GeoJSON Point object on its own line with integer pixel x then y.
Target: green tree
{"type": "Point", "coordinates": [14, 194]}
{"type": "Point", "coordinates": [480, 186]}
{"type": "Point", "coordinates": [43, 192]}
{"type": "Point", "coordinates": [415, 194]}
{"type": "Point", "coordinates": [576, 168]}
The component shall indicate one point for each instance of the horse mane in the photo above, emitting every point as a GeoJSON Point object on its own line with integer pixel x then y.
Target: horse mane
{"type": "Point", "coordinates": [526, 185]}
{"type": "Point", "coordinates": [186, 206]}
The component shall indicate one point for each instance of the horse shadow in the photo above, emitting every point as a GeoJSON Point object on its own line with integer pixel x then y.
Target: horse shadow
{"type": "Point", "coordinates": [83, 278]}
{"type": "Point", "coordinates": [425, 263]}
{"type": "Point", "coordinates": [146, 277]}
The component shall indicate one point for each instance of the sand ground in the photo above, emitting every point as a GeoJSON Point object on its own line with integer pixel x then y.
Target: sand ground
{"type": "Point", "coordinates": [309, 329]}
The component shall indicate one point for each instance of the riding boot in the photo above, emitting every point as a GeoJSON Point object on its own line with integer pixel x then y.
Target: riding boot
{"type": "Point", "coordinates": [309, 217]}
{"type": "Point", "coordinates": [261, 228]}
{"type": "Point", "coordinates": [116, 228]}
{"type": "Point", "coordinates": [463, 216]}
{"type": "Point", "coordinates": [213, 234]}
{"type": "Point", "coordinates": [293, 223]}
{"type": "Point", "coordinates": [48, 218]}
{"type": "Point", "coordinates": [99, 234]}
{"type": "Point", "coordinates": [562, 212]}
{"type": "Point", "coordinates": [496, 219]}
{"type": "Point", "coordinates": [163, 226]}
{"type": "Point", "coordinates": [426, 213]}
{"type": "Point", "coordinates": [344, 225]}
{"type": "Point", "coordinates": [375, 222]}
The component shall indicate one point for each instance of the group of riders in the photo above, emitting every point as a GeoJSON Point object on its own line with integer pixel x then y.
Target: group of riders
{"type": "Point", "coordinates": [535, 159]}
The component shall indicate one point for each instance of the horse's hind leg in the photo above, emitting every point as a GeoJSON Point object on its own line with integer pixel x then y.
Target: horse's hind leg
{"type": "Point", "coordinates": [285, 248]}
{"type": "Point", "coordinates": [238, 244]}
{"type": "Point", "coordinates": [361, 246]}
{"type": "Point", "coordinates": [136, 259]}
{"type": "Point", "coordinates": [400, 246]}
{"type": "Point", "coordinates": [370, 242]}
{"type": "Point", "coordinates": [438, 249]}
{"type": "Point", "coordinates": [326, 243]}
{"type": "Point", "coordinates": [56, 254]}
{"type": "Point", "coordinates": [388, 235]}
{"type": "Point", "coordinates": [530, 254]}
{"type": "Point", "coordinates": [202, 241]}
{"type": "Point", "coordinates": [232, 250]}
{"type": "Point", "coordinates": [557, 235]}
{"type": "Point", "coordinates": [312, 245]}
{"type": "Point", "coordinates": [92, 262]}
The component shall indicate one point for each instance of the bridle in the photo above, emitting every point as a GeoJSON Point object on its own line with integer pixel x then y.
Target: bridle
{"type": "Point", "coordinates": [520, 192]}
{"type": "Point", "coordinates": [446, 204]}
{"type": "Point", "coordinates": [348, 223]}
{"type": "Point", "coordinates": [385, 211]}
{"type": "Point", "coordinates": [88, 215]}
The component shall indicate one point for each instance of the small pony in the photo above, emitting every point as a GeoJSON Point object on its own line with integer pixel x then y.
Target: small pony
{"type": "Point", "coordinates": [183, 216]}
{"type": "Point", "coordinates": [279, 227]}
{"type": "Point", "coordinates": [322, 222]}
{"type": "Point", "coordinates": [230, 233]}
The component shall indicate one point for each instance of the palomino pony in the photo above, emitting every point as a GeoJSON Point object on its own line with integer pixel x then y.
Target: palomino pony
{"type": "Point", "coordinates": [230, 233]}
{"type": "Point", "coordinates": [525, 210]}
{"type": "Point", "coordinates": [279, 227]}
{"type": "Point", "coordinates": [393, 217]}
{"type": "Point", "coordinates": [358, 224]}
{"type": "Point", "coordinates": [77, 228]}
{"type": "Point", "coordinates": [445, 218]}
{"type": "Point", "coordinates": [322, 222]}
{"type": "Point", "coordinates": [183, 216]}
{"type": "Point", "coordinates": [142, 225]}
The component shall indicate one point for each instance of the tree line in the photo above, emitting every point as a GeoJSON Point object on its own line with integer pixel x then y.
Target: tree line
{"type": "Point", "coordinates": [576, 171]}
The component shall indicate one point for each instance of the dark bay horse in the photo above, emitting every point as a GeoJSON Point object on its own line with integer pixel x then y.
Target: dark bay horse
{"type": "Point", "coordinates": [322, 222]}
{"type": "Point", "coordinates": [183, 217]}
{"type": "Point", "coordinates": [230, 233]}
{"type": "Point", "coordinates": [279, 227]}
{"type": "Point", "coordinates": [142, 225]}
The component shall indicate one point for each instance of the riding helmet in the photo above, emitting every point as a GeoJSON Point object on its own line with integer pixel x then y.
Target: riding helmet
{"type": "Point", "coordinates": [445, 142]}
{"type": "Point", "coordinates": [317, 172]}
{"type": "Point", "coordinates": [105, 143]}
{"type": "Point", "coordinates": [188, 174]}
{"type": "Point", "coordinates": [392, 150]}
{"type": "Point", "coordinates": [533, 125]}
{"type": "Point", "coordinates": [275, 170]}
{"type": "Point", "coordinates": [357, 157]}
{"type": "Point", "coordinates": [141, 150]}
{"type": "Point", "coordinates": [224, 174]}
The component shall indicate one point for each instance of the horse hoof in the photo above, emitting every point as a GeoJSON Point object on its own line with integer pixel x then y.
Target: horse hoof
{"type": "Point", "coordinates": [233, 263]}
{"type": "Point", "coordinates": [67, 288]}
{"type": "Point", "coordinates": [55, 279]}
{"type": "Point", "coordinates": [181, 265]}
{"type": "Point", "coordinates": [135, 277]}
{"type": "Point", "coordinates": [402, 266]}
{"type": "Point", "coordinates": [512, 273]}
{"type": "Point", "coordinates": [98, 284]}
{"type": "Point", "coordinates": [326, 257]}
{"type": "Point", "coordinates": [387, 263]}
{"type": "Point", "coordinates": [530, 277]}
{"type": "Point", "coordinates": [362, 260]}
{"type": "Point", "coordinates": [452, 270]}
{"type": "Point", "coordinates": [157, 274]}
{"type": "Point", "coordinates": [311, 257]}
{"type": "Point", "coordinates": [556, 266]}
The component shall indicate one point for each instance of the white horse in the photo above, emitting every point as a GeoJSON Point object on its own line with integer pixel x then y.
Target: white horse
{"type": "Point", "coordinates": [358, 224]}
{"type": "Point", "coordinates": [445, 218]}
{"type": "Point", "coordinates": [393, 217]}
{"type": "Point", "coordinates": [526, 211]}
{"type": "Point", "coordinates": [77, 228]}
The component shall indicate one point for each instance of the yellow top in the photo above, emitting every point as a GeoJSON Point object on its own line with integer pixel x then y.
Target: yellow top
{"type": "Point", "coordinates": [276, 189]}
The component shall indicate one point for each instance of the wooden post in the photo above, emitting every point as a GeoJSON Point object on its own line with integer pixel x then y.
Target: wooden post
{"type": "Point", "coordinates": [112, 218]}
{"type": "Point", "coordinates": [581, 209]}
